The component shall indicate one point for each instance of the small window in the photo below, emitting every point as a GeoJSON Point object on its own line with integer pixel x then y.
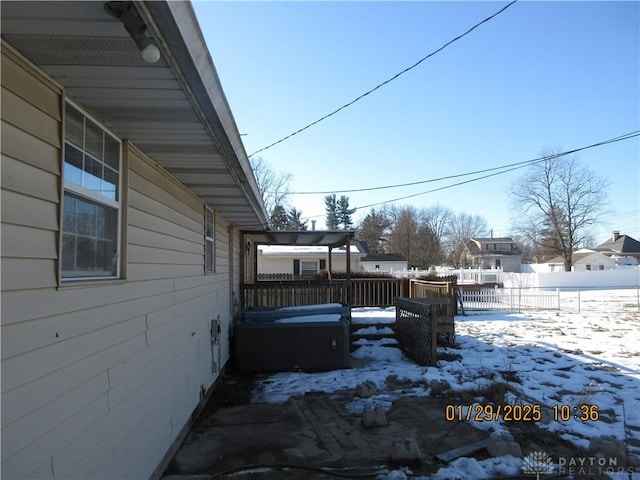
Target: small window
{"type": "Point", "coordinates": [91, 200]}
{"type": "Point", "coordinates": [209, 264]}
{"type": "Point", "coordinates": [600, 267]}
{"type": "Point", "coordinates": [308, 268]}
{"type": "Point", "coordinates": [498, 263]}
{"type": "Point", "coordinates": [588, 267]}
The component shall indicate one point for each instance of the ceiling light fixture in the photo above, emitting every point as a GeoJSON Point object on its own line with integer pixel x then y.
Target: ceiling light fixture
{"type": "Point", "coordinates": [135, 26]}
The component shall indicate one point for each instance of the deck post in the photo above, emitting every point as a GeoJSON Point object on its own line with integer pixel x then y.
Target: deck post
{"type": "Point", "coordinates": [348, 272]}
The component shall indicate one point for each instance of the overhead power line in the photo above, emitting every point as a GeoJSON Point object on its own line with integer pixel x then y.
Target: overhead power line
{"type": "Point", "coordinates": [387, 81]}
{"type": "Point", "coordinates": [476, 172]}
{"type": "Point", "coordinates": [503, 169]}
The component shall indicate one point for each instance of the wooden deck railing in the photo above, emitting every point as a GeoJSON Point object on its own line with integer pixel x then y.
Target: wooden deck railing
{"type": "Point", "coordinates": [377, 292]}
{"type": "Point", "coordinates": [365, 292]}
{"type": "Point", "coordinates": [292, 293]}
{"type": "Point", "coordinates": [435, 289]}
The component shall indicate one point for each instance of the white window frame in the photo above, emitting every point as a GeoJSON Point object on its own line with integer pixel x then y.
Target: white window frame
{"type": "Point", "coordinates": [209, 241]}
{"type": "Point", "coordinates": [90, 196]}
{"type": "Point", "coordinates": [308, 271]}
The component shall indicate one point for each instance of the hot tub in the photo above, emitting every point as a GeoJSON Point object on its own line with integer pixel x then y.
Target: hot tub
{"type": "Point", "coordinates": [310, 338]}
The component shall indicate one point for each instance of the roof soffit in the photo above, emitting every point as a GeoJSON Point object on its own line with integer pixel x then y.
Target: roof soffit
{"type": "Point", "coordinates": [174, 110]}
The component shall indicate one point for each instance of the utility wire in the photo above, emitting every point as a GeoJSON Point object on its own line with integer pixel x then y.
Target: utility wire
{"type": "Point", "coordinates": [504, 169]}
{"type": "Point", "coordinates": [449, 177]}
{"type": "Point", "coordinates": [387, 81]}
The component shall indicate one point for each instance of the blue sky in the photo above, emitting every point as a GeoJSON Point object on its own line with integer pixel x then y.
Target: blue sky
{"type": "Point", "coordinates": [540, 75]}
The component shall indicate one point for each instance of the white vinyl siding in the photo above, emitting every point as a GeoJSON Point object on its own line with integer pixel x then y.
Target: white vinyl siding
{"type": "Point", "coordinates": [30, 143]}
{"type": "Point", "coordinates": [275, 264]}
{"type": "Point", "coordinates": [98, 380]}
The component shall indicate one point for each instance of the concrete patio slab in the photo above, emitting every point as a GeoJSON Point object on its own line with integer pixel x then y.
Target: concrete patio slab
{"type": "Point", "coordinates": [310, 433]}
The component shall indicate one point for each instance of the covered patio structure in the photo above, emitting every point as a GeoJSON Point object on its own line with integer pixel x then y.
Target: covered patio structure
{"type": "Point", "coordinates": [257, 293]}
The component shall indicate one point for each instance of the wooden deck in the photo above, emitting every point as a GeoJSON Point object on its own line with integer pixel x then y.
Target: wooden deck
{"type": "Point", "coordinates": [359, 292]}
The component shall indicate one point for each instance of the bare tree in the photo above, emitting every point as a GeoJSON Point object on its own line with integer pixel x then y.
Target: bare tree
{"type": "Point", "coordinates": [462, 227]}
{"type": "Point", "coordinates": [556, 200]}
{"type": "Point", "coordinates": [411, 235]}
{"type": "Point", "coordinates": [438, 218]}
{"type": "Point", "coordinates": [273, 185]}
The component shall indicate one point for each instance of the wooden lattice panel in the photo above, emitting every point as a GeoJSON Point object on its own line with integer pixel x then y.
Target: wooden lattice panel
{"type": "Point", "coordinates": [416, 331]}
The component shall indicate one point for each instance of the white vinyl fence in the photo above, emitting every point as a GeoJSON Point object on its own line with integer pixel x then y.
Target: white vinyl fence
{"type": "Point", "coordinates": [516, 299]}
{"type": "Point", "coordinates": [620, 301]}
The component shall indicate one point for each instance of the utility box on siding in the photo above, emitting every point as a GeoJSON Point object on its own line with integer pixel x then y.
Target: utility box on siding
{"type": "Point", "coordinates": [310, 338]}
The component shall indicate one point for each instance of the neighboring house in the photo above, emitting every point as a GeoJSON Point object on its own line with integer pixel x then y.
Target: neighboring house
{"type": "Point", "coordinates": [384, 262]}
{"type": "Point", "coordinates": [623, 249]}
{"type": "Point", "coordinates": [124, 189]}
{"type": "Point", "coordinates": [305, 260]}
{"type": "Point", "coordinates": [583, 260]}
{"type": "Point", "coordinates": [491, 252]}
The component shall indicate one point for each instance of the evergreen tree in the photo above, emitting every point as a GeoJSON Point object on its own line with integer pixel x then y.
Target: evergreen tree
{"type": "Point", "coordinates": [295, 221]}
{"type": "Point", "coordinates": [373, 230]}
{"type": "Point", "coordinates": [344, 212]}
{"type": "Point", "coordinates": [331, 209]}
{"type": "Point", "coordinates": [279, 218]}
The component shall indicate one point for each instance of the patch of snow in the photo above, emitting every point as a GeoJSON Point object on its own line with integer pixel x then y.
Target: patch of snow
{"type": "Point", "coordinates": [576, 356]}
{"type": "Point", "coordinates": [374, 331]}
{"type": "Point", "coordinates": [327, 317]}
{"type": "Point", "coordinates": [316, 306]}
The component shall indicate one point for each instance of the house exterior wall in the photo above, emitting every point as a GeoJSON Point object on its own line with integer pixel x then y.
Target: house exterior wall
{"type": "Point", "coordinates": [507, 263]}
{"type": "Point", "coordinates": [385, 267]}
{"type": "Point", "coordinates": [284, 264]}
{"type": "Point", "coordinates": [99, 379]}
{"type": "Point", "coordinates": [595, 261]}
{"type": "Point", "coordinates": [280, 259]}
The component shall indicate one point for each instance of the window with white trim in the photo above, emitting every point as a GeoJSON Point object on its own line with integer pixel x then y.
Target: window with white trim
{"type": "Point", "coordinates": [91, 202]}
{"type": "Point", "coordinates": [209, 264]}
{"type": "Point", "coordinates": [308, 268]}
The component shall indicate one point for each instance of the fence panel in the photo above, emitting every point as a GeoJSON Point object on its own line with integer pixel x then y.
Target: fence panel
{"type": "Point", "coordinates": [416, 331]}
{"type": "Point", "coordinates": [436, 289]}
{"type": "Point", "coordinates": [510, 299]}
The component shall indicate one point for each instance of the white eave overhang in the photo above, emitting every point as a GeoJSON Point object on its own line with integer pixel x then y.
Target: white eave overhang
{"type": "Point", "coordinates": [319, 238]}
{"type": "Point", "coordinates": [175, 110]}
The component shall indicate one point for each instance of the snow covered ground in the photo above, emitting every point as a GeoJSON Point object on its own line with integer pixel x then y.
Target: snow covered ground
{"type": "Point", "coordinates": [588, 353]}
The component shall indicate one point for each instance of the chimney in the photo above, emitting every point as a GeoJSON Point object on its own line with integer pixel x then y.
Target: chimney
{"type": "Point", "coordinates": [616, 235]}
{"type": "Point", "coordinates": [313, 224]}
